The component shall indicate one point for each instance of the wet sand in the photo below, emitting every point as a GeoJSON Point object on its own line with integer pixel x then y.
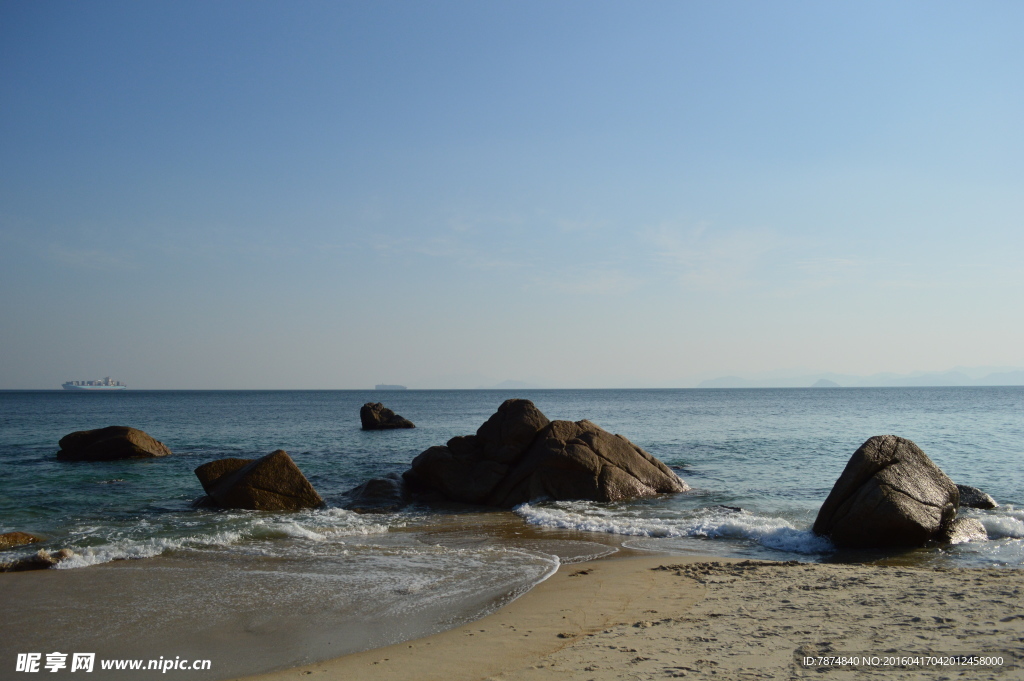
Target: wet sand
{"type": "Point", "coordinates": [248, 612]}
{"type": "Point", "coordinates": [658, 617]}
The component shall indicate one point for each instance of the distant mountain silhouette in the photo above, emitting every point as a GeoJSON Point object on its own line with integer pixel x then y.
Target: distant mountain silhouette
{"type": "Point", "coordinates": [510, 385]}
{"type": "Point", "coordinates": [955, 377]}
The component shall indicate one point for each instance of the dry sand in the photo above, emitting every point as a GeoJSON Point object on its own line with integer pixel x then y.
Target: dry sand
{"type": "Point", "coordinates": [655, 618]}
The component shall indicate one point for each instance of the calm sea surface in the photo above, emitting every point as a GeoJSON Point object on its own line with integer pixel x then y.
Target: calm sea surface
{"type": "Point", "coordinates": [772, 454]}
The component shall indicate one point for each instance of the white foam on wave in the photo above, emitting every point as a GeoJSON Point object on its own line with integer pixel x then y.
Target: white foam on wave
{"type": "Point", "coordinates": [129, 549]}
{"type": "Point", "coordinates": [148, 539]}
{"type": "Point", "coordinates": [318, 526]}
{"type": "Point", "coordinates": [437, 575]}
{"type": "Point", "coordinates": [1003, 526]}
{"type": "Point", "coordinates": [771, 532]}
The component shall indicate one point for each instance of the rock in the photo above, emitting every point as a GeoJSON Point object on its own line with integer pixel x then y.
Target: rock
{"type": "Point", "coordinates": [456, 476]}
{"type": "Point", "coordinates": [963, 530]}
{"type": "Point", "coordinates": [972, 497]}
{"type": "Point", "coordinates": [41, 560]}
{"type": "Point", "coordinates": [375, 416]}
{"type": "Point", "coordinates": [109, 444]}
{"type": "Point", "coordinates": [889, 495]}
{"type": "Point", "coordinates": [10, 540]}
{"type": "Point", "coordinates": [212, 471]}
{"type": "Point", "coordinates": [271, 483]}
{"type": "Point", "coordinates": [518, 455]}
{"type": "Point", "coordinates": [579, 460]}
{"type": "Point", "coordinates": [378, 495]}
{"type": "Point", "coordinates": [510, 430]}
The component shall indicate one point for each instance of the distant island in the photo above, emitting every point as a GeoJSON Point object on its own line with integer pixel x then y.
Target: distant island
{"type": "Point", "coordinates": [825, 383]}
{"type": "Point", "coordinates": [386, 386]}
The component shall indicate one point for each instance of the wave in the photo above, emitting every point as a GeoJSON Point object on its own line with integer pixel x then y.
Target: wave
{"type": "Point", "coordinates": [1008, 524]}
{"type": "Point", "coordinates": [712, 523]}
{"type": "Point", "coordinates": [94, 544]}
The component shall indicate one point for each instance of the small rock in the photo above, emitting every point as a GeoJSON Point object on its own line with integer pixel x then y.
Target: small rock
{"type": "Point", "coordinates": [378, 495]}
{"type": "Point", "coordinates": [10, 540]}
{"type": "Point", "coordinates": [972, 497]}
{"type": "Point", "coordinates": [110, 444]}
{"type": "Point", "coordinates": [41, 560]}
{"type": "Point", "coordinates": [963, 530]}
{"type": "Point", "coordinates": [375, 416]}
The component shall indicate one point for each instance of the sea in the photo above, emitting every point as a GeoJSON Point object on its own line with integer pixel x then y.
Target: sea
{"type": "Point", "coordinates": [759, 461]}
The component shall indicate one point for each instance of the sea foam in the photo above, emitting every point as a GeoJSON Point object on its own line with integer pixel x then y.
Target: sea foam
{"type": "Point", "coordinates": [1003, 526]}
{"type": "Point", "coordinates": [712, 523]}
{"type": "Point", "coordinates": [250, 531]}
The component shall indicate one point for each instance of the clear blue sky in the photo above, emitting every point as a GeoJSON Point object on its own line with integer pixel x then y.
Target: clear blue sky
{"type": "Point", "coordinates": [442, 194]}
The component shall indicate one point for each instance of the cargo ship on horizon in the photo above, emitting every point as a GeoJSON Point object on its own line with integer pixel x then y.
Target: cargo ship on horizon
{"type": "Point", "coordinates": [103, 384]}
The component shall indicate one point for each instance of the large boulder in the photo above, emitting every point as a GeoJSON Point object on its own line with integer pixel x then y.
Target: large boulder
{"type": "Point", "coordinates": [10, 540]}
{"type": "Point", "coordinates": [889, 495]}
{"type": "Point", "coordinates": [375, 416]}
{"type": "Point", "coordinates": [579, 460]}
{"type": "Point", "coordinates": [972, 497]}
{"type": "Point", "coordinates": [270, 483]}
{"type": "Point", "coordinates": [109, 444]}
{"type": "Point", "coordinates": [519, 455]}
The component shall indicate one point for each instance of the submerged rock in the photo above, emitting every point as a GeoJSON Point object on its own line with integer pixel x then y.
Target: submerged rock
{"type": "Point", "coordinates": [518, 455]}
{"type": "Point", "coordinates": [375, 416]}
{"type": "Point", "coordinates": [378, 495]}
{"type": "Point", "coordinates": [270, 483]}
{"type": "Point", "coordinates": [890, 494]}
{"type": "Point", "coordinates": [10, 540]}
{"type": "Point", "coordinates": [109, 444]}
{"type": "Point", "coordinates": [41, 560]}
{"type": "Point", "coordinates": [972, 497]}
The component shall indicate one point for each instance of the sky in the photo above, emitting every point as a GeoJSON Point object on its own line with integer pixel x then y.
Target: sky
{"type": "Point", "coordinates": [236, 195]}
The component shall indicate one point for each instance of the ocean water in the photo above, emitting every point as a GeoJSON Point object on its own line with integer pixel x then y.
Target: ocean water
{"type": "Point", "coordinates": [760, 463]}
{"type": "Point", "coordinates": [772, 453]}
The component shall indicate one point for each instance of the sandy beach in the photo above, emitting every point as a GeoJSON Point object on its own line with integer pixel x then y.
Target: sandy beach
{"type": "Point", "coordinates": [671, 617]}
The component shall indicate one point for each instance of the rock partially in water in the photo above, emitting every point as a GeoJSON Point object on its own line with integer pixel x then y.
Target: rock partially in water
{"type": "Point", "coordinates": [458, 474]}
{"type": "Point", "coordinates": [270, 483]}
{"type": "Point", "coordinates": [579, 460]}
{"type": "Point", "coordinates": [972, 497]}
{"type": "Point", "coordinates": [378, 495]}
{"type": "Point", "coordinates": [212, 471]}
{"type": "Point", "coordinates": [41, 560]}
{"type": "Point", "coordinates": [519, 455]}
{"type": "Point", "coordinates": [375, 416]}
{"type": "Point", "coordinates": [10, 540]}
{"type": "Point", "coordinates": [889, 495]}
{"type": "Point", "coordinates": [110, 444]}
{"type": "Point", "coordinates": [963, 530]}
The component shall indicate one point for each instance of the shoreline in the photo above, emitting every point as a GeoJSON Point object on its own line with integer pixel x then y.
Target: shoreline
{"type": "Point", "coordinates": [628, 615]}
{"type": "Point", "coordinates": [641, 617]}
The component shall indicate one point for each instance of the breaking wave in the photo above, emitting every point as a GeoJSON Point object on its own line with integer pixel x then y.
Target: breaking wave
{"type": "Point", "coordinates": [712, 523]}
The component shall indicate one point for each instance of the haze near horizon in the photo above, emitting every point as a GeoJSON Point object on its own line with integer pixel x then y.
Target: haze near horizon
{"type": "Point", "coordinates": [453, 194]}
